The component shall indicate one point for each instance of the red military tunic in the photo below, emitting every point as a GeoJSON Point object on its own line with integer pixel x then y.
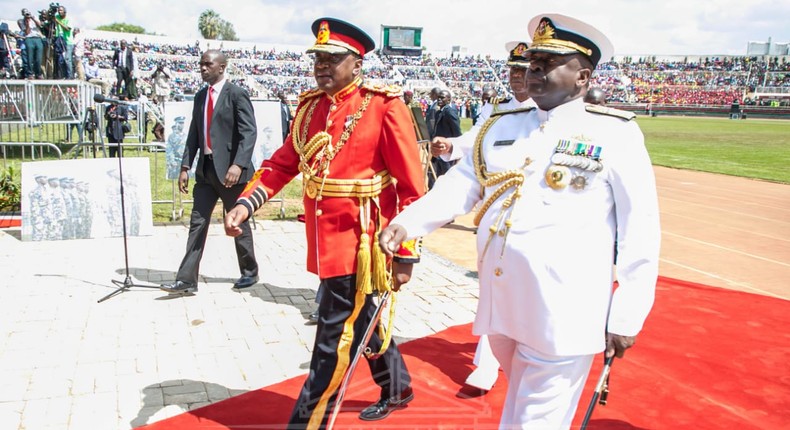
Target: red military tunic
{"type": "Point", "coordinates": [382, 139]}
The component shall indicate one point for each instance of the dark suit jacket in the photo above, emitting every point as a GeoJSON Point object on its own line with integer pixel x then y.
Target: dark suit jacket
{"type": "Point", "coordinates": [233, 132]}
{"type": "Point", "coordinates": [430, 118]}
{"type": "Point", "coordinates": [447, 122]}
{"type": "Point", "coordinates": [286, 119]}
{"type": "Point", "coordinates": [116, 115]}
{"type": "Point", "coordinates": [129, 58]}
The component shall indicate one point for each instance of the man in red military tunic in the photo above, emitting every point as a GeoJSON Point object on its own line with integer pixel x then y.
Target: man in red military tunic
{"type": "Point", "coordinates": [355, 147]}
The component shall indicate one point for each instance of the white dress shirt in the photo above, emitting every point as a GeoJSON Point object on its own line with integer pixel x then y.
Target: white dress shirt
{"type": "Point", "coordinates": [216, 88]}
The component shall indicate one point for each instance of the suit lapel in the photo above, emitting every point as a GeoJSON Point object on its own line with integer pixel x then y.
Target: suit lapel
{"type": "Point", "coordinates": [200, 112]}
{"type": "Point", "coordinates": [221, 99]}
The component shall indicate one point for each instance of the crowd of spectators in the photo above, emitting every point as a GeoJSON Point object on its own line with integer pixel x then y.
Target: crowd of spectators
{"type": "Point", "coordinates": [265, 72]}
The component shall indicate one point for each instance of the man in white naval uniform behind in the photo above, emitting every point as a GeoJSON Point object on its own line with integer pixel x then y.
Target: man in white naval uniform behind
{"type": "Point", "coordinates": [451, 149]}
{"type": "Point", "coordinates": [486, 373]}
{"type": "Point", "coordinates": [556, 182]}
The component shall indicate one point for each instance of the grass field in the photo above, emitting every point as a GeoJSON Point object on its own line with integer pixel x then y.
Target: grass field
{"type": "Point", "coordinates": [752, 148]}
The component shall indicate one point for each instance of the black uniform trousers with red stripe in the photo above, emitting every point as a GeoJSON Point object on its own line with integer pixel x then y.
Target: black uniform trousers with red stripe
{"type": "Point", "coordinates": [335, 310]}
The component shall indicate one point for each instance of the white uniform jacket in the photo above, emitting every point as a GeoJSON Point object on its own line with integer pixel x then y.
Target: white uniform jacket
{"type": "Point", "coordinates": [547, 283]}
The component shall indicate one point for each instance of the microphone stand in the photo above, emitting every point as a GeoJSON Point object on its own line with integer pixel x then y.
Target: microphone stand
{"type": "Point", "coordinates": [127, 283]}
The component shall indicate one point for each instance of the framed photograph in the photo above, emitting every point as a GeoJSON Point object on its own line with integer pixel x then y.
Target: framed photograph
{"type": "Point", "coordinates": [81, 199]}
{"type": "Point", "coordinates": [178, 116]}
{"type": "Point", "coordinates": [269, 121]}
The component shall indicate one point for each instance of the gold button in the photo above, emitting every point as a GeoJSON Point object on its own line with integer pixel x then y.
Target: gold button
{"type": "Point", "coordinates": [333, 107]}
{"type": "Point", "coordinates": [328, 123]}
{"type": "Point", "coordinates": [498, 271]}
{"type": "Point", "coordinates": [319, 212]}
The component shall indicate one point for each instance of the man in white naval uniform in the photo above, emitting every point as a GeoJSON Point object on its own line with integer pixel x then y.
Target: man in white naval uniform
{"type": "Point", "coordinates": [556, 182]}
{"type": "Point", "coordinates": [451, 149]}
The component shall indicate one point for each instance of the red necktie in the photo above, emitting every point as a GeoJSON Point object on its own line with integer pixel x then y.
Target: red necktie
{"type": "Point", "coordinates": [209, 112]}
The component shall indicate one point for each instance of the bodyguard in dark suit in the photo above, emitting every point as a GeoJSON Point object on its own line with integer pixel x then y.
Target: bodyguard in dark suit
{"type": "Point", "coordinates": [448, 124]}
{"type": "Point", "coordinates": [222, 136]}
{"type": "Point", "coordinates": [285, 114]}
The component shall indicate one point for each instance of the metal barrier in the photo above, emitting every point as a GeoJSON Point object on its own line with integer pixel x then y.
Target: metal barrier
{"type": "Point", "coordinates": [41, 114]}
{"type": "Point", "coordinates": [24, 144]}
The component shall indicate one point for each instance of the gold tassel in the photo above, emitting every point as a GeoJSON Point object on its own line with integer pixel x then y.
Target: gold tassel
{"type": "Point", "coordinates": [381, 275]}
{"type": "Point", "coordinates": [363, 264]}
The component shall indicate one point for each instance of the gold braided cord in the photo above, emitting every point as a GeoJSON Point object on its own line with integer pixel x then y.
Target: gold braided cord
{"type": "Point", "coordinates": [477, 152]}
{"type": "Point", "coordinates": [318, 141]}
{"type": "Point", "coordinates": [560, 45]}
{"type": "Point", "coordinates": [300, 125]}
{"type": "Point", "coordinates": [385, 334]}
{"type": "Point", "coordinates": [508, 178]}
{"type": "Point", "coordinates": [515, 179]}
{"type": "Point", "coordinates": [319, 146]}
{"type": "Point", "coordinates": [329, 152]}
{"type": "Point", "coordinates": [509, 181]}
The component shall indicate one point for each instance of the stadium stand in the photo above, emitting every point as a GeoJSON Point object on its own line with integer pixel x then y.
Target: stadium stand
{"type": "Point", "coordinates": [668, 84]}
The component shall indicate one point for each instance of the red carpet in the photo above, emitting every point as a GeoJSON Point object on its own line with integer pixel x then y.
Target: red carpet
{"type": "Point", "coordinates": [708, 359]}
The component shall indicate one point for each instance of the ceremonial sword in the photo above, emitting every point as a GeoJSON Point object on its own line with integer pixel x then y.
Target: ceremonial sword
{"type": "Point", "coordinates": [361, 349]}
{"type": "Point", "coordinates": [601, 391]}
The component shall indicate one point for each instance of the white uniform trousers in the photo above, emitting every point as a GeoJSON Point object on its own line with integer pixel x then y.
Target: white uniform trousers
{"type": "Point", "coordinates": [487, 371]}
{"type": "Point", "coordinates": [543, 390]}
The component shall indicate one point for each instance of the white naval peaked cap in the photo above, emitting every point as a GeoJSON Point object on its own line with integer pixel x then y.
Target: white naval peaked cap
{"type": "Point", "coordinates": [517, 53]}
{"type": "Point", "coordinates": [563, 35]}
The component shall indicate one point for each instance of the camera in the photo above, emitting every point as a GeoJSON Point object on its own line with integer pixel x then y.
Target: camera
{"type": "Point", "coordinates": [53, 9]}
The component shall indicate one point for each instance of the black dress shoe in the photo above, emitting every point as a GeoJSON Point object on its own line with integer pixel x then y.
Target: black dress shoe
{"type": "Point", "coordinates": [385, 406]}
{"type": "Point", "coordinates": [314, 317]}
{"type": "Point", "coordinates": [179, 287]}
{"type": "Point", "coordinates": [245, 281]}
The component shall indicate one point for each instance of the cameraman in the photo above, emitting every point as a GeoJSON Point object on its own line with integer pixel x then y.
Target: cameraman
{"type": "Point", "coordinates": [161, 82]}
{"type": "Point", "coordinates": [116, 129]}
{"type": "Point", "coordinates": [64, 36]}
{"type": "Point", "coordinates": [34, 44]}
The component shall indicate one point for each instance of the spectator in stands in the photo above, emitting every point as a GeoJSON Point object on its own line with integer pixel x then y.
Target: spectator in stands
{"type": "Point", "coordinates": [123, 62]}
{"type": "Point", "coordinates": [5, 62]}
{"type": "Point", "coordinates": [79, 54]}
{"type": "Point", "coordinates": [595, 96]}
{"type": "Point", "coordinates": [64, 45]}
{"type": "Point", "coordinates": [93, 77]}
{"type": "Point", "coordinates": [156, 116]}
{"type": "Point", "coordinates": [34, 43]}
{"type": "Point", "coordinates": [408, 97]}
{"type": "Point", "coordinates": [161, 83]}
{"type": "Point", "coordinates": [21, 45]}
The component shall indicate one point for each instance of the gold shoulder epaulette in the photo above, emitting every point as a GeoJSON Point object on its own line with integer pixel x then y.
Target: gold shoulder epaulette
{"type": "Point", "coordinates": [499, 100]}
{"type": "Point", "coordinates": [603, 110]}
{"type": "Point", "coordinates": [310, 94]}
{"type": "Point", "coordinates": [509, 111]}
{"type": "Point", "coordinates": [388, 90]}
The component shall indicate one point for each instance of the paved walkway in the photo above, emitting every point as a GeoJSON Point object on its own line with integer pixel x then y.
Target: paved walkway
{"type": "Point", "coordinates": [68, 362]}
